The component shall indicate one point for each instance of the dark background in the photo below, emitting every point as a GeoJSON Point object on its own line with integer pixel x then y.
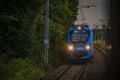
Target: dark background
{"type": "Point", "coordinates": [114, 58]}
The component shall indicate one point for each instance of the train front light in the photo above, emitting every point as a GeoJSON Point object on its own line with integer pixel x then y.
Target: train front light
{"type": "Point", "coordinates": [70, 47]}
{"type": "Point", "coordinates": [79, 28]}
{"type": "Point", "coordinates": [87, 47]}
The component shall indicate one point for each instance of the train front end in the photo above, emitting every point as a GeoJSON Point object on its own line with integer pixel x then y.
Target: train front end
{"type": "Point", "coordinates": [79, 40]}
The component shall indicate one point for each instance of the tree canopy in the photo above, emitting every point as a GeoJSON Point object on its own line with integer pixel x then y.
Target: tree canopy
{"type": "Point", "coordinates": [22, 24]}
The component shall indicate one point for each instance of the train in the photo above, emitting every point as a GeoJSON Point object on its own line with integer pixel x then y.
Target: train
{"type": "Point", "coordinates": [80, 42]}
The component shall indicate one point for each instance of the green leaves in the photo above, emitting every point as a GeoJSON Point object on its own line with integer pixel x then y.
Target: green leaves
{"type": "Point", "coordinates": [23, 69]}
{"type": "Point", "coordinates": [22, 29]}
{"type": "Point", "coordinates": [61, 13]}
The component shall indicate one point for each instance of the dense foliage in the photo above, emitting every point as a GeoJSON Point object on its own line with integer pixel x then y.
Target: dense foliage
{"type": "Point", "coordinates": [22, 24]}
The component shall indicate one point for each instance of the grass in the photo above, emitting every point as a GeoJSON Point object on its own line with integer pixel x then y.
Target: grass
{"type": "Point", "coordinates": [99, 43]}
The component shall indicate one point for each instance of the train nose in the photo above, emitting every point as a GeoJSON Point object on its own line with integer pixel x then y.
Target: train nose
{"type": "Point", "coordinates": [79, 48]}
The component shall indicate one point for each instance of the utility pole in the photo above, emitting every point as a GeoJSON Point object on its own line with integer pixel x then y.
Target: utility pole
{"type": "Point", "coordinates": [46, 40]}
{"type": "Point", "coordinates": [96, 32]}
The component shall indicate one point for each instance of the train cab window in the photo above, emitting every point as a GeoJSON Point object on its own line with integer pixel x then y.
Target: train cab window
{"type": "Point", "coordinates": [79, 37]}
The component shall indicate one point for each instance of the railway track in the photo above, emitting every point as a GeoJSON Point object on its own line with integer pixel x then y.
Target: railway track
{"type": "Point", "coordinates": [97, 68]}
{"type": "Point", "coordinates": [80, 75]}
{"type": "Point", "coordinates": [74, 71]}
{"type": "Point", "coordinates": [62, 73]}
{"type": "Point", "coordinates": [70, 72]}
{"type": "Point", "coordinates": [102, 50]}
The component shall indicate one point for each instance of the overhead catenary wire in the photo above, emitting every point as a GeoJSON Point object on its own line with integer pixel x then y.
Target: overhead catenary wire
{"type": "Point", "coordinates": [81, 12]}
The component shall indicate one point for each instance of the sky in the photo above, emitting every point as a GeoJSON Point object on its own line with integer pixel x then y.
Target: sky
{"type": "Point", "coordinates": [93, 15]}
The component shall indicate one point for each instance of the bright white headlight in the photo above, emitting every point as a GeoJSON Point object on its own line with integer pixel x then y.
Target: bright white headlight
{"type": "Point", "coordinates": [79, 28]}
{"type": "Point", "coordinates": [70, 47]}
{"type": "Point", "coordinates": [87, 47]}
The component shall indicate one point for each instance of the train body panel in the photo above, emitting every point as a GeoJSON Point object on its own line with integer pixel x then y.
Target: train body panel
{"type": "Point", "coordinates": [79, 39]}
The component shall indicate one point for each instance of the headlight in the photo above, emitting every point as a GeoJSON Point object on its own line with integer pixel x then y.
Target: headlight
{"type": "Point", "coordinates": [87, 47]}
{"type": "Point", "coordinates": [70, 47]}
{"type": "Point", "coordinates": [79, 28]}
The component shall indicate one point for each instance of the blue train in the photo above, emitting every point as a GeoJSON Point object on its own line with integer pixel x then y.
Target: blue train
{"type": "Point", "coordinates": [79, 39]}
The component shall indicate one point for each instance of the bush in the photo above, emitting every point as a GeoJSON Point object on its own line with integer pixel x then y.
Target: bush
{"type": "Point", "coordinates": [99, 42]}
{"type": "Point", "coordinates": [21, 69]}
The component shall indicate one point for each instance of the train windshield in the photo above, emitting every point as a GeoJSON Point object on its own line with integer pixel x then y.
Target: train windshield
{"type": "Point", "coordinates": [79, 37]}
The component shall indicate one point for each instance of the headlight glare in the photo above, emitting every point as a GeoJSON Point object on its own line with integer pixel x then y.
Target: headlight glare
{"type": "Point", "coordinates": [87, 47]}
{"type": "Point", "coordinates": [70, 47]}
